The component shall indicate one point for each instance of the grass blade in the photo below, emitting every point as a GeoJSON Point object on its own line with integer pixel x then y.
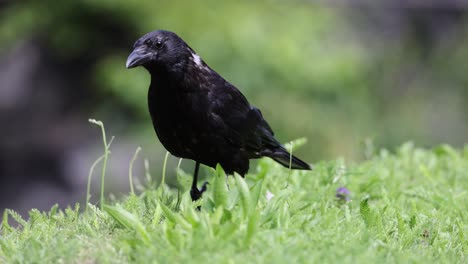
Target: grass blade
{"type": "Point", "coordinates": [127, 220]}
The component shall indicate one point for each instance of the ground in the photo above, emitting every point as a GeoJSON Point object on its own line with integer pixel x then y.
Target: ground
{"type": "Point", "coordinates": [407, 206]}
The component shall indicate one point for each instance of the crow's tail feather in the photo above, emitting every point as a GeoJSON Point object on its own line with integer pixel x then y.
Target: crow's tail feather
{"type": "Point", "coordinates": [283, 157]}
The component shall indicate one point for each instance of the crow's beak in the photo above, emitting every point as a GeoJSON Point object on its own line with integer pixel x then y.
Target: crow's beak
{"type": "Point", "coordinates": [139, 56]}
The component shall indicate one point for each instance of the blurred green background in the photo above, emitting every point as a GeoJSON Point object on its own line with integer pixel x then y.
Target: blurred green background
{"type": "Point", "coordinates": [351, 77]}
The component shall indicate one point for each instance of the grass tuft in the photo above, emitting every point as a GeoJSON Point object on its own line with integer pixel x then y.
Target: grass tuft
{"type": "Point", "coordinates": [404, 207]}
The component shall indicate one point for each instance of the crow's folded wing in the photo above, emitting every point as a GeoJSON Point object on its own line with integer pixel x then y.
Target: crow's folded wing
{"type": "Point", "coordinates": [243, 124]}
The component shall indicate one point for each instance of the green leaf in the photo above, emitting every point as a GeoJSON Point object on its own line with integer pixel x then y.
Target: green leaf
{"type": "Point", "coordinates": [365, 211]}
{"type": "Point", "coordinates": [156, 218]}
{"type": "Point", "coordinates": [127, 220]}
{"type": "Point", "coordinates": [246, 198]}
{"type": "Point", "coordinates": [168, 213]}
{"type": "Point", "coordinates": [251, 227]}
{"type": "Point", "coordinates": [175, 218]}
{"type": "Point", "coordinates": [412, 222]}
{"type": "Point", "coordinates": [220, 190]}
{"type": "Point", "coordinates": [17, 217]}
{"type": "Point", "coordinates": [5, 223]}
{"type": "Point", "coordinates": [256, 192]}
{"type": "Point", "coordinates": [184, 179]}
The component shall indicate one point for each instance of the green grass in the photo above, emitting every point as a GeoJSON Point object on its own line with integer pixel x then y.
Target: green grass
{"type": "Point", "coordinates": [407, 207]}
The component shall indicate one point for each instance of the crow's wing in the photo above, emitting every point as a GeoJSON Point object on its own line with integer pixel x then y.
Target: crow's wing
{"type": "Point", "coordinates": [244, 124]}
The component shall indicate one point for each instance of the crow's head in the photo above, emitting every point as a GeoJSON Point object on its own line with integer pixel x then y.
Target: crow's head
{"type": "Point", "coordinates": [159, 49]}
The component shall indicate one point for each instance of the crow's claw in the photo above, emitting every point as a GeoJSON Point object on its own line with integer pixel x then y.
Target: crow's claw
{"type": "Point", "coordinates": [203, 188]}
{"type": "Point", "coordinates": [196, 193]}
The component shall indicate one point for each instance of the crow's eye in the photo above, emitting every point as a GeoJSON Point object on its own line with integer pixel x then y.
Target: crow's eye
{"type": "Point", "coordinates": [159, 44]}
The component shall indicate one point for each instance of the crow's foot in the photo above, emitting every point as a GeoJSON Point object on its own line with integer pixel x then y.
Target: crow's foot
{"type": "Point", "coordinates": [196, 193]}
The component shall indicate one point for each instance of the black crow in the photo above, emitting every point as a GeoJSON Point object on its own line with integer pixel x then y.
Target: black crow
{"type": "Point", "coordinates": [199, 115]}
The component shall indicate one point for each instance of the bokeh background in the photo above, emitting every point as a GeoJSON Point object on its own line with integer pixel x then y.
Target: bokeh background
{"type": "Point", "coordinates": [350, 76]}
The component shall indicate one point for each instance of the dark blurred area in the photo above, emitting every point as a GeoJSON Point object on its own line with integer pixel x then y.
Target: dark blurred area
{"type": "Point", "coordinates": [350, 76]}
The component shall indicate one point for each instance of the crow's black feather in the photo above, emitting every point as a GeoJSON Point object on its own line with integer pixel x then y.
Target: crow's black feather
{"type": "Point", "coordinates": [197, 114]}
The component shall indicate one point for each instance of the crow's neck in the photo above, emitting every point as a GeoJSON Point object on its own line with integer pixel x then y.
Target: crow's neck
{"type": "Point", "coordinates": [163, 77]}
{"type": "Point", "coordinates": [189, 80]}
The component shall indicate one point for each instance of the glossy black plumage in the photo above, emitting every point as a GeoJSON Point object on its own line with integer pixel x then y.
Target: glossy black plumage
{"type": "Point", "coordinates": [197, 114]}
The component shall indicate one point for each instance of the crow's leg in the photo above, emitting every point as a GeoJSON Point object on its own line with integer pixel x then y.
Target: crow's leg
{"type": "Point", "coordinates": [195, 193]}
